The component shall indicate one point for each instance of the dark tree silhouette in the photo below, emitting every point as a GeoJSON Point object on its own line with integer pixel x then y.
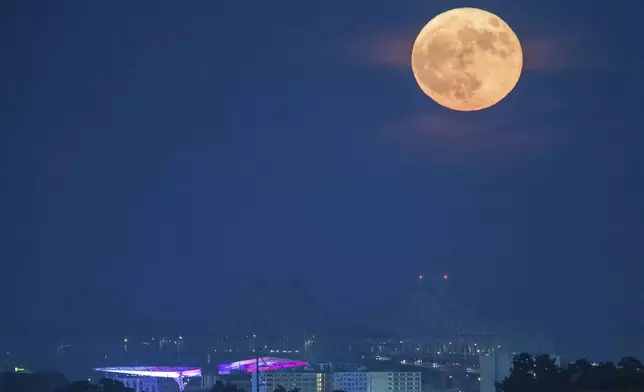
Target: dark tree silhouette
{"type": "Point", "coordinates": [227, 387]}
{"type": "Point", "coordinates": [550, 377]}
{"type": "Point", "coordinates": [104, 385]}
{"type": "Point", "coordinates": [33, 382]}
{"type": "Point", "coordinates": [218, 387]}
{"type": "Point", "coordinates": [579, 374]}
{"type": "Point", "coordinates": [541, 374]}
{"type": "Point", "coordinates": [83, 386]}
{"type": "Point", "coordinates": [630, 374]}
{"type": "Point", "coordinates": [279, 388]}
{"type": "Point", "coordinates": [231, 387]}
{"type": "Point", "coordinates": [109, 385]}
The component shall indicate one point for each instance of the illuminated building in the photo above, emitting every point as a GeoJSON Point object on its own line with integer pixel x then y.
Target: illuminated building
{"type": "Point", "coordinates": [272, 374]}
{"type": "Point", "coordinates": [269, 380]}
{"type": "Point", "coordinates": [265, 364]}
{"type": "Point", "coordinates": [377, 381]}
{"type": "Point", "coordinates": [144, 378]}
{"type": "Point", "coordinates": [303, 381]}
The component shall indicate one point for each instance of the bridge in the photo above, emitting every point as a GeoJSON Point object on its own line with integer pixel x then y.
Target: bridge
{"type": "Point", "coordinates": [437, 328]}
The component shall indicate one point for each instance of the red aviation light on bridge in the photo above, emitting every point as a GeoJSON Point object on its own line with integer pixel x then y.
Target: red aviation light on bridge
{"type": "Point", "coordinates": [445, 277]}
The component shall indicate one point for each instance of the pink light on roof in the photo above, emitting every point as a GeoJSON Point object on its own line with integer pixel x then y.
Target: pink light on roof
{"type": "Point", "coordinates": [265, 364]}
{"type": "Point", "coordinates": [154, 371]}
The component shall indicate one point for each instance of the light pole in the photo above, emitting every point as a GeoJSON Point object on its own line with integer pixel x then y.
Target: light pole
{"type": "Point", "coordinates": [258, 357]}
{"type": "Point", "coordinates": [257, 372]}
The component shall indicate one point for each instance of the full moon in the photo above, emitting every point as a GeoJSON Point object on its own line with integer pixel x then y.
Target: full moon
{"type": "Point", "coordinates": [467, 59]}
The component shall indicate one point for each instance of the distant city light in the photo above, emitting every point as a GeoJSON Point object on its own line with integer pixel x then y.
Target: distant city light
{"type": "Point", "coordinates": [445, 277]}
{"type": "Point", "coordinates": [420, 277]}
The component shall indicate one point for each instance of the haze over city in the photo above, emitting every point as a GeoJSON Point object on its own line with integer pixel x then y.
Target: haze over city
{"type": "Point", "coordinates": [203, 169]}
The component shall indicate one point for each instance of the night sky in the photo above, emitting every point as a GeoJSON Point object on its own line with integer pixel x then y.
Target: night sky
{"type": "Point", "coordinates": [169, 149]}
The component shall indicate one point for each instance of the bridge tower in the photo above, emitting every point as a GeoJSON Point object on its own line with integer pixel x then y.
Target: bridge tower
{"type": "Point", "coordinates": [444, 324]}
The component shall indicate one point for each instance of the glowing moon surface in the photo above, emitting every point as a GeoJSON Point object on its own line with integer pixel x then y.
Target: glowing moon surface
{"type": "Point", "coordinates": [467, 59]}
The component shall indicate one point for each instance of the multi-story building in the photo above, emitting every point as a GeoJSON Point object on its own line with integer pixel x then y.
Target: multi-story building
{"type": "Point", "coordinates": [377, 381]}
{"type": "Point", "coordinates": [350, 381]}
{"type": "Point", "coordinates": [332, 367]}
{"type": "Point", "coordinates": [302, 381]}
{"type": "Point", "coordinates": [340, 381]}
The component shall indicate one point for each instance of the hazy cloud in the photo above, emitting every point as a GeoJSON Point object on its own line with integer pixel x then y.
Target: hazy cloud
{"type": "Point", "coordinates": [450, 136]}
{"type": "Point", "coordinates": [380, 49]}
{"type": "Point", "coordinates": [501, 132]}
{"type": "Point", "coordinates": [392, 49]}
{"type": "Point", "coordinates": [560, 53]}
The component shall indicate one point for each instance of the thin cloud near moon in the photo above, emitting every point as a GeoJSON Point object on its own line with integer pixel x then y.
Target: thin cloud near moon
{"type": "Point", "coordinates": [500, 134]}
{"type": "Point", "coordinates": [447, 136]}
{"type": "Point", "coordinates": [391, 50]}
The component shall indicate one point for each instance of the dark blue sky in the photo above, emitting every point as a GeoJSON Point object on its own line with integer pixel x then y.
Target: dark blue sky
{"type": "Point", "coordinates": [222, 141]}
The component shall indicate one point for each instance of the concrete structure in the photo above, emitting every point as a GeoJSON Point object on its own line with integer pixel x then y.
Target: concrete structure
{"type": "Point", "coordinates": [208, 380]}
{"type": "Point", "coordinates": [303, 381]}
{"type": "Point", "coordinates": [377, 381]}
{"type": "Point", "coordinates": [345, 381]}
{"type": "Point", "coordinates": [332, 367]}
{"type": "Point", "coordinates": [350, 381]}
{"type": "Point", "coordinates": [140, 384]}
{"type": "Point", "coordinates": [494, 367]}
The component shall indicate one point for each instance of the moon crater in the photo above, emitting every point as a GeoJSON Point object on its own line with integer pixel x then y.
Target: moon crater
{"type": "Point", "coordinates": [467, 59]}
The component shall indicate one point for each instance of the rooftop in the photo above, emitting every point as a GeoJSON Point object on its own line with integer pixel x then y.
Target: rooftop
{"type": "Point", "coordinates": [265, 364]}
{"type": "Point", "coordinates": [154, 371]}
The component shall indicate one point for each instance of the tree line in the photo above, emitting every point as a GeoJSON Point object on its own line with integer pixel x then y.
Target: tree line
{"type": "Point", "coordinates": [542, 374]}
{"type": "Point", "coordinates": [103, 385]}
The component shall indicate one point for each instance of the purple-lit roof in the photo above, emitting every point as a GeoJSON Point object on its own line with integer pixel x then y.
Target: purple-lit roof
{"type": "Point", "coordinates": [265, 364]}
{"type": "Point", "coordinates": [154, 371]}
